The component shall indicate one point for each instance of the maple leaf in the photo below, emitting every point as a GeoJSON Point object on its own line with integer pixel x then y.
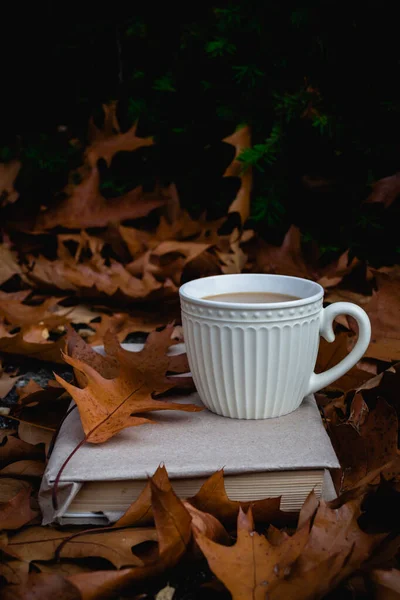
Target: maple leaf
{"type": "Point", "coordinates": [253, 566]}
{"type": "Point", "coordinates": [15, 509]}
{"type": "Point", "coordinates": [212, 498]}
{"type": "Point", "coordinates": [241, 140]}
{"type": "Point", "coordinates": [106, 142]}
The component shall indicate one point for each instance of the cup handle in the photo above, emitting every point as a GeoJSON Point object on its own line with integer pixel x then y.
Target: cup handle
{"type": "Point", "coordinates": [328, 315]}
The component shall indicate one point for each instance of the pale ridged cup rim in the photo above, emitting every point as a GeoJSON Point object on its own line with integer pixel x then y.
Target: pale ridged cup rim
{"type": "Point", "coordinates": [184, 293]}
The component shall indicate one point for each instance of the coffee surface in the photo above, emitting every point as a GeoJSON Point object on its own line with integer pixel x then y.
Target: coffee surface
{"type": "Point", "coordinates": [251, 297]}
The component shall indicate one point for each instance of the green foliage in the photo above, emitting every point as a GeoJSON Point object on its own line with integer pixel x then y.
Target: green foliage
{"type": "Point", "coordinates": [299, 75]}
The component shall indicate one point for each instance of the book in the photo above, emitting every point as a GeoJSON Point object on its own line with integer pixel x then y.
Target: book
{"type": "Point", "coordinates": [287, 456]}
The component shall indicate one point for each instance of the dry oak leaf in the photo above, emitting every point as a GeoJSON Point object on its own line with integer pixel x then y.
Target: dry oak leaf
{"type": "Point", "coordinates": [140, 511]}
{"type": "Point", "coordinates": [286, 259]}
{"type": "Point", "coordinates": [13, 449]}
{"type": "Point", "coordinates": [15, 508]}
{"type": "Point", "coordinates": [212, 498]}
{"type": "Point", "coordinates": [76, 347]}
{"type": "Point", "coordinates": [8, 175]}
{"type": "Point", "coordinates": [107, 406]}
{"type": "Point", "coordinates": [91, 277]}
{"type": "Point", "coordinates": [330, 354]}
{"type": "Point", "coordinates": [371, 445]}
{"type": "Point", "coordinates": [241, 140]}
{"type": "Point", "coordinates": [16, 312]}
{"type": "Point", "coordinates": [9, 265]}
{"type": "Point", "coordinates": [31, 341]}
{"type": "Point", "coordinates": [24, 469]}
{"type": "Point", "coordinates": [116, 546]}
{"type": "Point", "coordinates": [14, 571]}
{"type": "Point", "coordinates": [42, 586]}
{"type": "Point", "coordinates": [335, 531]}
{"type": "Point", "coordinates": [85, 206]}
{"type": "Point", "coordinates": [6, 384]}
{"type": "Point", "coordinates": [123, 323]}
{"type": "Point", "coordinates": [106, 142]}
{"type": "Point", "coordinates": [384, 313]}
{"type": "Point", "coordinates": [153, 361]}
{"type": "Point", "coordinates": [253, 566]}
{"type": "Point", "coordinates": [173, 525]}
{"type": "Point", "coordinates": [385, 191]}
{"type": "Point", "coordinates": [386, 584]}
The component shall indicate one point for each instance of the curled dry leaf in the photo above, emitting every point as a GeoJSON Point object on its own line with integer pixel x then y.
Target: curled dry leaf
{"type": "Point", "coordinates": [45, 586]}
{"type": "Point", "coordinates": [386, 583]}
{"type": "Point", "coordinates": [241, 140]}
{"type": "Point", "coordinates": [212, 498]}
{"type": "Point", "coordinates": [9, 264]}
{"type": "Point", "coordinates": [85, 206]}
{"type": "Point", "coordinates": [140, 512]}
{"type": "Point", "coordinates": [24, 468]}
{"type": "Point", "coordinates": [383, 311]}
{"type": "Point", "coordinates": [106, 142]}
{"type": "Point", "coordinates": [16, 312]}
{"type": "Point", "coordinates": [13, 449]}
{"type": "Point", "coordinates": [15, 508]}
{"type": "Point", "coordinates": [31, 342]}
{"type": "Point", "coordinates": [8, 175]}
{"type": "Point", "coordinates": [371, 445]}
{"type": "Point", "coordinates": [253, 566]}
{"type": "Point", "coordinates": [385, 191]}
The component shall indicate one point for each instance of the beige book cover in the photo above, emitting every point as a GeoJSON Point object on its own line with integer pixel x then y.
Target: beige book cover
{"type": "Point", "coordinates": [192, 446]}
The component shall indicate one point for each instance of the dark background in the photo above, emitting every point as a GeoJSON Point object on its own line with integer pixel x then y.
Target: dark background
{"type": "Point", "coordinates": [318, 85]}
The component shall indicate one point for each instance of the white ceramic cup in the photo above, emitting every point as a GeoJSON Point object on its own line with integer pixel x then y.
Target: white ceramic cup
{"type": "Point", "coordinates": [256, 361]}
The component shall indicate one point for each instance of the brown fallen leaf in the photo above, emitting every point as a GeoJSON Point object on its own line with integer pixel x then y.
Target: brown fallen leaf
{"type": "Point", "coordinates": [383, 311]}
{"type": "Point", "coordinates": [43, 586]}
{"type": "Point", "coordinates": [14, 571]}
{"type": "Point", "coordinates": [6, 384]}
{"type": "Point", "coordinates": [240, 140]}
{"type": "Point", "coordinates": [13, 449]}
{"type": "Point", "coordinates": [92, 277]}
{"type": "Point", "coordinates": [122, 324]}
{"type": "Point", "coordinates": [8, 175]}
{"type": "Point", "coordinates": [385, 191]}
{"type": "Point", "coordinates": [287, 259]}
{"type": "Point", "coordinates": [212, 498]}
{"type": "Point", "coordinates": [18, 313]}
{"type": "Point", "coordinates": [253, 566]}
{"type": "Point", "coordinates": [85, 206]}
{"type": "Point", "coordinates": [330, 354]}
{"type": "Point", "coordinates": [9, 264]}
{"type": "Point", "coordinates": [153, 361]}
{"type": "Point", "coordinates": [370, 445]}
{"type": "Point", "coordinates": [208, 525]}
{"type": "Point", "coordinates": [15, 509]}
{"type": "Point", "coordinates": [106, 142]}
{"type": "Point", "coordinates": [140, 512]}
{"type": "Point", "coordinates": [386, 584]}
{"type": "Point", "coordinates": [78, 348]}
{"type": "Point", "coordinates": [107, 406]}
{"type": "Point", "coordinates": [30, 342]}
{"type": "Point", "coordinates": [23, 468]}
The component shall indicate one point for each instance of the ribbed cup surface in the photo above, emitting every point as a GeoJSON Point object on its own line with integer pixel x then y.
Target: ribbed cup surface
{"type": "Point", "coordinates": [251, 370]}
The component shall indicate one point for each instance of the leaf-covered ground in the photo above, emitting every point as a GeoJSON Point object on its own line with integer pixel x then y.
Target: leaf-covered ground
{"type": "Point", "coordinates": [89, 271]}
